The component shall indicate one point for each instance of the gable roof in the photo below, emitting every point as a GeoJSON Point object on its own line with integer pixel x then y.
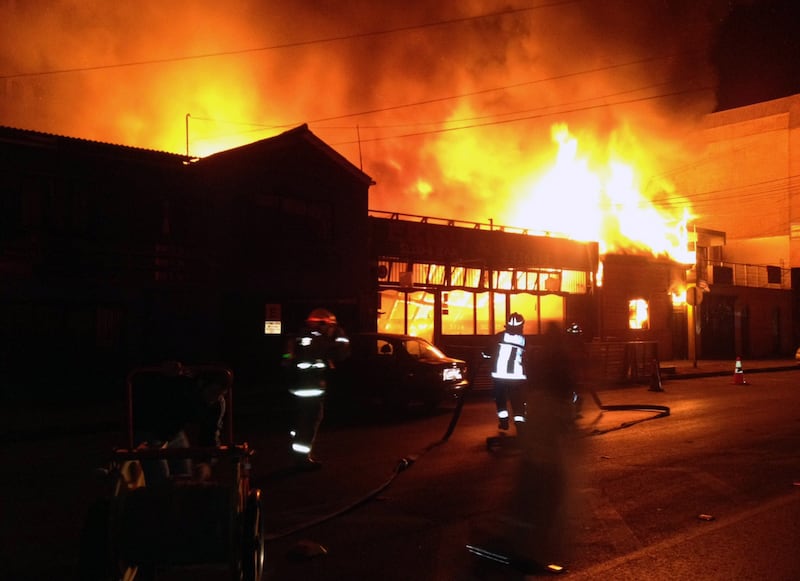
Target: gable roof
{"type": "Point", "coordinates": [299, 137]}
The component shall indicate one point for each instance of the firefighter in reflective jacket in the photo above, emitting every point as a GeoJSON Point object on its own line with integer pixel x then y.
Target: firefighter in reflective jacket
{"type": "Point", "coordinates": [508, 373]}
{"type": "Point", "coordinates": [311, 355]}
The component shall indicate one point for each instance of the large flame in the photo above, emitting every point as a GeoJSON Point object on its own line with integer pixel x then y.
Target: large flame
{"type": "Point", "coordinates": [598, 196]}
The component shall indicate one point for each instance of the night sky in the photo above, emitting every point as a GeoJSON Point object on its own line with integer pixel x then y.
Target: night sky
{"type": "Point", "coordinates": [757, 53]}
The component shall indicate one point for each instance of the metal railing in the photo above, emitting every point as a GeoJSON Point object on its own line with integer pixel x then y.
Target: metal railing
{"type": "Point", "coordinates": [748, 275]}
{"type": "Point", "coordinates": [490, 225]}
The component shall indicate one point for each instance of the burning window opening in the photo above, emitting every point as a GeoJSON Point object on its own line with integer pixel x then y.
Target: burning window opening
{"type": "Point", "coordinates": [638, 314]}
{"type": "Point", "coordinates": [548, 280]}
{"type": "Point", "coordinates": [678, 298]}
{"type": "Point", "coordinates": [465, 312]}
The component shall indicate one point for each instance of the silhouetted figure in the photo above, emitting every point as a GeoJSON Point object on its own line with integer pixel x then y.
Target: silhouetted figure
{"type": "Point", "coordinates": [541, 496]}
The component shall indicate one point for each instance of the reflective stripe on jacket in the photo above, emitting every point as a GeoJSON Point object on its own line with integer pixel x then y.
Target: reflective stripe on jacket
{"type": "Point", "coordinates": [508, 361]}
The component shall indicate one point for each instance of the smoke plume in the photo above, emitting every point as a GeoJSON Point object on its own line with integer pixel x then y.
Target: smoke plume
{"type": "Point", "coordinates": [444, 104]}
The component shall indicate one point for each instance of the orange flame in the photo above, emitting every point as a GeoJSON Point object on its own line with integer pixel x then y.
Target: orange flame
{"type": "Point", "coordinates": [445, 133]}
{"type": "Point", "coordinates": [598, 198]}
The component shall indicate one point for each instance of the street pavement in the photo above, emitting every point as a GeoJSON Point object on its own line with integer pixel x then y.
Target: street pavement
{"type": "Point", "coordinates": [372, 493]}
{"type": "Point", "coordinates": [302, 508]}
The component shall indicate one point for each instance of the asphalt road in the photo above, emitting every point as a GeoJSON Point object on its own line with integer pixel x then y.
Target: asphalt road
{"type": "Point", "coordinates": [639, 488]}
{"type": "Point", "coordinates": [709, 491]}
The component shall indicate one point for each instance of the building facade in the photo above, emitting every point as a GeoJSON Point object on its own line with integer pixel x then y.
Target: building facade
{"type": "Point", "coordinates": [112, 256]}
{"type": "Point", "coordinates": [745, 185]}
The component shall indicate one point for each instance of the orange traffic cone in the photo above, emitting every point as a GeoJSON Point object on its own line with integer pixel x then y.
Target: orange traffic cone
{"type": "Point", "coordinates": [738, 373]}
{"type": "Point", "coordinates": [655, 377]}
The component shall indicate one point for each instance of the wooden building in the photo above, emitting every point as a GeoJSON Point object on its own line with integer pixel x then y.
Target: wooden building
{"type": "Point", "coordinates": [112, 256]}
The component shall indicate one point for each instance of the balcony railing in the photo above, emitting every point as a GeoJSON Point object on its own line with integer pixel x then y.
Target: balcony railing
{"type": "Point", "coordinates": [750, 275]}
{"type": "Point", "coordinates": [490, 225]}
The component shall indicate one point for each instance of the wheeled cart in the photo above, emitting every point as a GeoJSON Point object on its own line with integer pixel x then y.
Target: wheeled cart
{"type": "Point", "coordinates": [136, 529]}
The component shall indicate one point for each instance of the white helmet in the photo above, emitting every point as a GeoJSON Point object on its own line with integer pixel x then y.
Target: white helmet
{"type": "Point", "coordinates": [515, 323]}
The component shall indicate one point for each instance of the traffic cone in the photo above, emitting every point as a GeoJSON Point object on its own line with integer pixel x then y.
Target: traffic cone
{"type": "Point", "coordinates": [738, 373]}
{"type": "Point", "coordinates": [655, 377]}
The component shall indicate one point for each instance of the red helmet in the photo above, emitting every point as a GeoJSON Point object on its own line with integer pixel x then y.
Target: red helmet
{"type": "Point", "coordinates": [321, 316]}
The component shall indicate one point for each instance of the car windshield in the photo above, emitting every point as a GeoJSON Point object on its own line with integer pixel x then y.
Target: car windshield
{"type": "Point", "coordinates": [420, 349]}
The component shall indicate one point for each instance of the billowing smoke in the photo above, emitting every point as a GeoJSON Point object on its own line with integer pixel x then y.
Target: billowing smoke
{"type": "Point", "coordinates": [444, 104]}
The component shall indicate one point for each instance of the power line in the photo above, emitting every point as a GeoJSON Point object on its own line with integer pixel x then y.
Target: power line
{"type": "Point", "coordinates": [542, 112]}
{"type": "Point", "coordinates": [546, 109]}
{"type": "Point", "coordinates": [505, 87]}
{"type": "Point", "coordinates": [607, 68]}
{"type": "Point", "coordinates": [531, 117]}
{"type": "Point", "coordinates": [295, 44]}
{"type": "Point", "coordinates": [259, 127]}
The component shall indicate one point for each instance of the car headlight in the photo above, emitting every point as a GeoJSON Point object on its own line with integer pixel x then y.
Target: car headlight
{"type": "Point", "coordinates": [451, 374]}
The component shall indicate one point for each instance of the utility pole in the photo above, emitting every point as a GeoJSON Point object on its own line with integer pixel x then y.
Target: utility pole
{"type": "Point", "coordinates": [187, 134]}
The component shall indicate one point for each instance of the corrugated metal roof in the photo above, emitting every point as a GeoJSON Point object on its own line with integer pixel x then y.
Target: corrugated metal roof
{"type": "Point", "coordinates": [53, 141]}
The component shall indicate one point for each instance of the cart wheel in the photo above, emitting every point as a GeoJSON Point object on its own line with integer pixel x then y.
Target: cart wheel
{"type": "Point", "coordinates": [253, 538]}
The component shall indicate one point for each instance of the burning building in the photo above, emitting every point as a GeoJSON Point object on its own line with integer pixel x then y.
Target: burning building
{"type": "Point", "coordinates": [575, 122]}
{"type": "Point", "coordinates": [151, 255]}
{"type": "Point", "coordinates": [125, 254]}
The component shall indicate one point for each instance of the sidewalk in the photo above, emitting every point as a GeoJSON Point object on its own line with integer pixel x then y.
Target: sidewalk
{"type": "Point", "coordinates": [687, 369]}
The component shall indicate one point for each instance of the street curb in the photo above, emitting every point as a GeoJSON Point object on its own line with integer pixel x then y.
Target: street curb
{"type": "Point", "coordinates": [720, 373]}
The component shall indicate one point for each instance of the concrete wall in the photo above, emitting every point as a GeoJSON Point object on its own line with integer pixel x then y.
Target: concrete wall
{"type": "Point", "coordinates": [745, 182]}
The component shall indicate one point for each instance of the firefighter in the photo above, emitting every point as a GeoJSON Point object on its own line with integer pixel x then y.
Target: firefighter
{"type": "Point", "coordinates": [312, 356]}
{"type": "Point", "coordinates": [508, 373]}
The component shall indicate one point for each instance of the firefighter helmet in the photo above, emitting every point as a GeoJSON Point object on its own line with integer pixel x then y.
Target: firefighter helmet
{"type": "Point", "coordinates": [515, 323]}
{"type": "Point", "coordinates": [321, 316]}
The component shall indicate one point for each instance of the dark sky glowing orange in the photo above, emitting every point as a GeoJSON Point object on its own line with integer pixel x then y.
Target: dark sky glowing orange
{"type": "Point", "coordinates": [449, 106]}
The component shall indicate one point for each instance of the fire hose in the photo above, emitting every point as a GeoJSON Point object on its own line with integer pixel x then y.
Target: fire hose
{"type": "Point", "coordinates": [407, 461]}
{"type": "Point", "coordinates": [661, 412]}
{"type": "Point", "coordinates": [402, 465]}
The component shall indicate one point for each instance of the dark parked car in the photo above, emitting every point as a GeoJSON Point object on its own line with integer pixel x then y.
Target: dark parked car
{"type": "Point", "coordinates": [398, 371]}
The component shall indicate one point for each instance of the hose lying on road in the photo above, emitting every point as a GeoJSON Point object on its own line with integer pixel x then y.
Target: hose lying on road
{"type": "Point", "coordinates": [406, 462]}
{"type": "Point", "coordinates": [662, 411]}
{"type": "Point", "coordinates": [402, 465]}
